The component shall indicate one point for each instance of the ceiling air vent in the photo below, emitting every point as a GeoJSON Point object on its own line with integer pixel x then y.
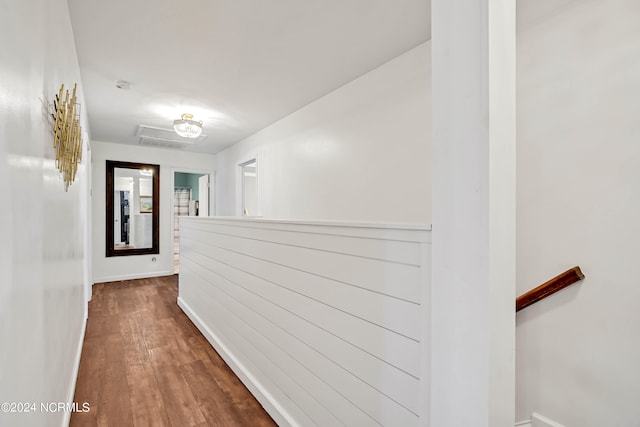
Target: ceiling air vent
{"type": "Point", "coordinates": [159, 137]}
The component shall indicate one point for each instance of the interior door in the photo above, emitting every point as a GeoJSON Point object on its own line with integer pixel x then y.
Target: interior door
{"type": "Point", "coordinates": [203, 189]}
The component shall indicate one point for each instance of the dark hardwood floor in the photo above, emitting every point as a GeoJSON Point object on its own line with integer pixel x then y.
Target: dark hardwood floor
{"type": "Point", "coordinates": [145, 364]}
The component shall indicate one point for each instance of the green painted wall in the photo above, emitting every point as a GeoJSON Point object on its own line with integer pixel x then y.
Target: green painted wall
{"type": "Point", "coordinates": [189, 180]}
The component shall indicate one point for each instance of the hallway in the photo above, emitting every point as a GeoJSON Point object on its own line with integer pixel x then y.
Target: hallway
{"type": "Point", "coordinates": [144, 363]}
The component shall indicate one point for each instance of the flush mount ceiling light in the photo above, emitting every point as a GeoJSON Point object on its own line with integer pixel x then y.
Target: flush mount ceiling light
{"type": "Point", "coordinates": [122, 84]}
{"type": "Point", "coordinates": [186, 127]}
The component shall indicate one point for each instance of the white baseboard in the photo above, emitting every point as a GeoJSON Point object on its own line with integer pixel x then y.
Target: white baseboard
{"type": "Point", "coordinates": [268, 402]}
{"type": "Point", "coordinates": [132, 276]}
{"type": "Point", "coordinates": [72, 387]}
{"type": "Point", "coordinates": [538, 420]}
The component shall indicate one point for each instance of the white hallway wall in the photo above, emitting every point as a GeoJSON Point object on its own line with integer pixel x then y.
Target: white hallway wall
{"type": "Point", "coordinates": [578, 203]}
{"type": "Point", "coordinates": [360, 153]}
{"type": "Point", "coordinates": [42, 257]}
{"type": "Point", "coordinates": [129, 267]}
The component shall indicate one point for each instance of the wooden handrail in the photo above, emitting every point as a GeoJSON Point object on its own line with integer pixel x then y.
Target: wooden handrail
{"type": "Point", "coordinates": [554, 285]}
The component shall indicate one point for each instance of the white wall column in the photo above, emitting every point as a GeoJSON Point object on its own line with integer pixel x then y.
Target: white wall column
{"type": "Point", "coordinates": [473, 282]}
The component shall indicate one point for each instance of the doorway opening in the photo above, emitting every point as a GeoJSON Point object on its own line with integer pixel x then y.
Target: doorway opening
{"type": "Point", "coordinates": [191, 196]}
{"type": "Point", "coordinates": [121, 219]}
{"type": "Point", "coordinates": [249, 188]}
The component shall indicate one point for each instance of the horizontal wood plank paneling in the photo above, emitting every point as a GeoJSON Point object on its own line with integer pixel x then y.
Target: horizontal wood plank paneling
{"type": "Point", "coordinates": [362, 367]}
{"type": "Point", "coordinates": [400, 251]}
{"type": "Point", "coordinates": [324, 319]}
{"type": "Point", "coordinates": [357, 301]}
{"type": "Point", "coordinates": [388, 278]}
{"type": "Point", "coordinates": [395, 349]}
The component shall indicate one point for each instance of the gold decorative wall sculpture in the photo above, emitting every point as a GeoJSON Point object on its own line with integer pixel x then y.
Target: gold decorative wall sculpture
{"type": "Point", "coordinates": [67, 135]}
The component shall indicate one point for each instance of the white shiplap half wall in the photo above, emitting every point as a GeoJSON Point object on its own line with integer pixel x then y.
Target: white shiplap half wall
{"type": "Point", "coordinates": [321, 320]}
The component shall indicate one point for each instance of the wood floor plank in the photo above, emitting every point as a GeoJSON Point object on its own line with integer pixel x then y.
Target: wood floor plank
{"type": "Point", "coordinates": [113, 404]}
{"type": "Point", "coordinates": [110, 304]}
{"type": "Point", "coordinates": [100, 326]}
{"type": "Point", "coordinates": [92, 361]}
{"type": "Point", "coordinates": [227, 381]}
{"type": "Point", "coordinates": [135, 349]}
{"type": "Point", "coordinates": [145, 364]}
{"type": "Point", "coordinates": [146, 400]}
{"type": "Point", "coordinates": [180, 403]}
{"type": "Point", "coordinates": [201, 381]}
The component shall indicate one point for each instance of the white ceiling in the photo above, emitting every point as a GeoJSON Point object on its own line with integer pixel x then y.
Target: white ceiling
{"type": "Point", "coordinates": [237, 65]}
